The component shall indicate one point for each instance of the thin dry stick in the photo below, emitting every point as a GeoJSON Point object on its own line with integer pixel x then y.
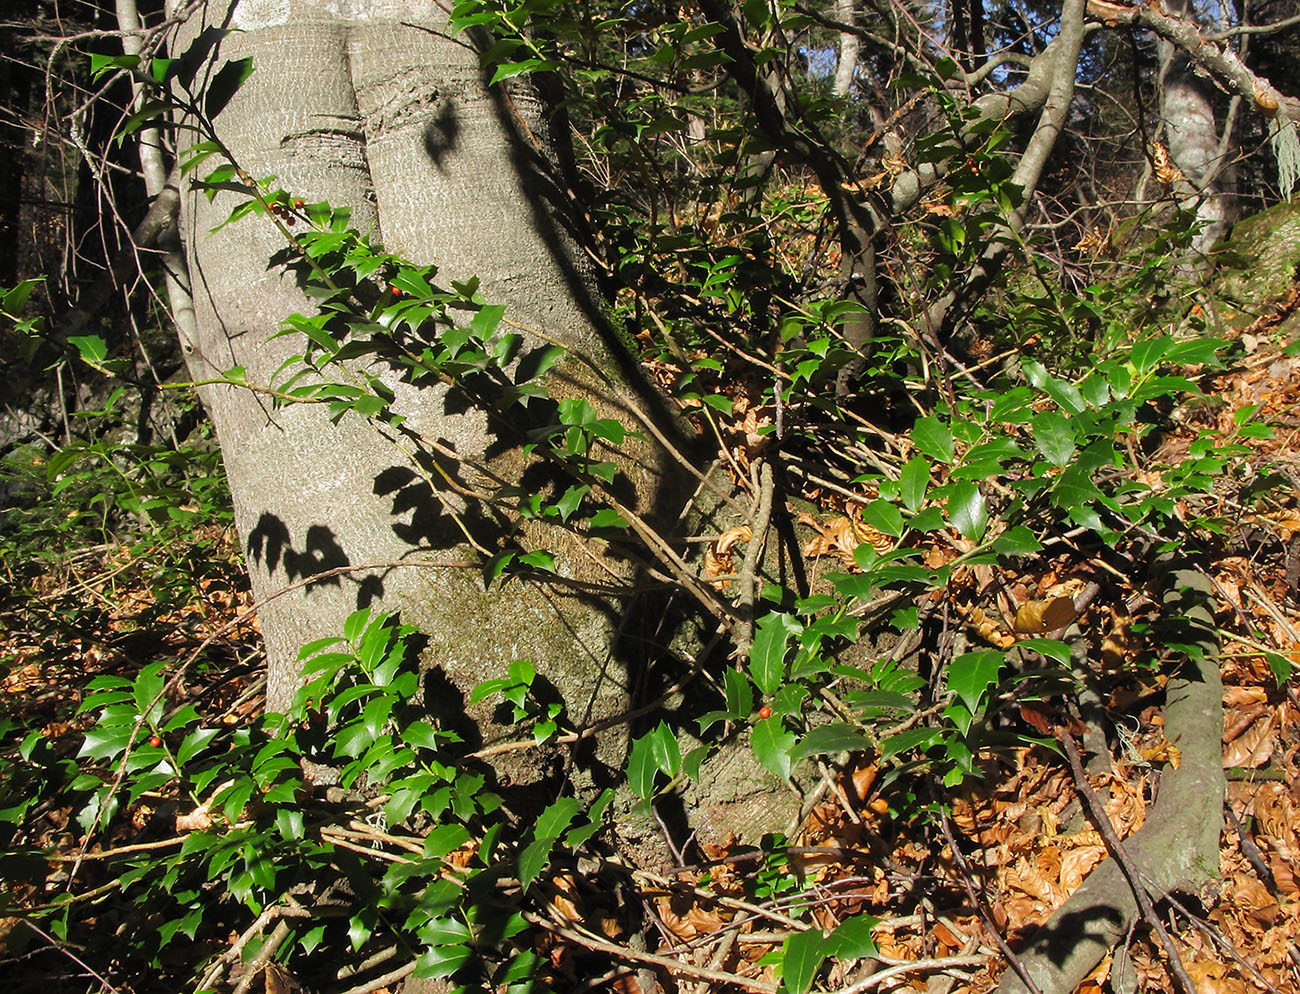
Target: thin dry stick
{"type": "Point", "coordinates": [387, 980]}
{"type": "Point", "coordinates": [1121, 856]}
{"type": "Point", "coordinates": [70, 954]}
{"type": "Point", "coordinates": [264, 955]}
{"type": "Point", "coordinates": [981, 908]}
{"type": "Point", "coordinates": [762, 521]}
{"type": "Point", "coordinates": [1251, 851]}
{"type": "Point", "coordinates": [667, 962]}
{"type": "Point", "coordinates": [912, 966]}
{"type": "Point", "coordinates": [1217, 937]}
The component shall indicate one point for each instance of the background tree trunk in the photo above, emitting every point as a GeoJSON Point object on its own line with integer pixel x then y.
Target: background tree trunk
{"type": "Point", "coordinates": [1187, 115]}
{"type": "Point", "coordinates": [846, 12]}
{"type": "Point", "coordinates": [381, 111]}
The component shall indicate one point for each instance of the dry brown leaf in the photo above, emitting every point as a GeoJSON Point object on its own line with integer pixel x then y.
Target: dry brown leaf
{"type": "Point", "coordinates": [938, 208]}
{"type": "Point", "coordinates": [863, 779]}
{"type": "Point", "coordinates": [1166, 172]}
{"type": "Point", "coordinates": [1252, 748]}
{"type": "Point", "coordinates": [200, 819]}
{"type": "Point", "coordinates": [1033, 879]}
{"type": "Point", "coordinates": [861, 186]}
{"type": "Point", "coordinates": [1039, 716]}
{"type": "Point", "coordinates": [1275, 816]}
{"type": "Point", "coordinates": [1125, 808]}
{"type": "Point", "coordinates": [718, 560]}
{"type": "Point", "coordinates": [894, 163]}
{"type": "Point", "coordinates": [1238, 696]}
{"type": "Point", "coordinates": [1045, 615]}
{"type": "Point", "coordinates": [728, 539]}
{"type": "Point", "coordinates": [1160, 750]}
{"type": "Point", "coordinates": [989, 629]}
{"type": "Point", "coordinates": [840, 536]}
{"type": "Point", "coordinates": [277, 980]}
{"type": "Point", "coordinates": [1077, 864]}
{"type": "Point", "coordinates": [1250, 897]}
{"type": "Point", "coordinates": [562, 902]}
{"type": "Point", "coordinates": [704, 922]}
{"type": "Point", "coordinates": [1211, 977]}
{"type": "Point", "coordinates": [1284, 877]}
{"type": "Point", "coordinates": [1092, 243]}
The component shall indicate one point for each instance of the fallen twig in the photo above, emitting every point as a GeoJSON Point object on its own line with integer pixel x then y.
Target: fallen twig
{"type": "Point", "coordinates": [1118, 853]}
{"type": "Point", "coordinates": [981, 906]}
{"type": "Point", "coordinates": [937, 964]}
{"type": "Point", "coordinates": [667, 962]}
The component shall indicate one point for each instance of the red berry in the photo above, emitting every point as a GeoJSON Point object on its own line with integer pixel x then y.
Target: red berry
{"type": "Point", "coordinates": [298, 204]}
{"type": "Point", "coordinates": [155, 742]}
{"type": "Point", "coordinates": [765, 712]}
{"type": "Point", "coordinates": [395, 291]}
{"type": "Point", "coordinates": [291, 220]}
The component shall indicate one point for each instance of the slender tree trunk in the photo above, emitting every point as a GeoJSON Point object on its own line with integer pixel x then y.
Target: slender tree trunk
{"type": "Point", "coordinates": [846, 12]}
{"type": "Point", "coordinates": [382, 112]}
{"type": "Point", "coordinates": [1192, 137]}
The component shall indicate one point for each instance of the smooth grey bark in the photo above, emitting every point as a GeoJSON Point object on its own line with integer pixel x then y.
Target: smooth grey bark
{"type": "Point", "coordinates": [1192, 136]}
{"type": "Point", "coordinates": [1177, 849]}
{"type": "Point", "coordinates": [847, 12]}
{"type": "Point", "coordinates": [369, 105]}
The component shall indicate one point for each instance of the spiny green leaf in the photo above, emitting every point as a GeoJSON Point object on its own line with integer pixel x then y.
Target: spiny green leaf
{"type": "Point", "coordinates": [772, 746]}
{"type": "Point", "coordinates": [1054, 437]}
{"type": "Point", "coordinates": [913, 482]}
{"type": "Point", "coordinates": [767, 655]}
{"type": "Point", "coordinates": [932, 437]}
{"type": "Point", "coordinates": [967, 510]}
{"type": "Point", "coordinates": [972, 673]}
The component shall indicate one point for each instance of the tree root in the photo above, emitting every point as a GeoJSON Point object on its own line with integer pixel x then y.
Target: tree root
{"type": "Point", "coordinates": [1177, 849]}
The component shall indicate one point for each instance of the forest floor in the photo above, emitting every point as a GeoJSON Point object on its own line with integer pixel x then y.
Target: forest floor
{"type": "Point", "coordinates": [1025, 836]}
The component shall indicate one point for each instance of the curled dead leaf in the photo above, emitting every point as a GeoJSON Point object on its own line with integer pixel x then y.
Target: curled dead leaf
{"type": "Point", "coordinates": [728, 539]}
{"type": "Point", "coordinates": [1166, 172]}
{"type": "Point", "coordinates": [1045, 615]}
{"type": "Point", "coordinates": [1250, 897]}
{"type": "Point", "coordinates": [989, 629]}
{"type": "Point", "coordinates": [1253, 747]}
{"type": "Point", "coordinates": [1212, 977]}
{"type": "Point", "coordinates": [200, 819]}
{"type": "Point", "coordinates": [1161, 751]}
{"type": "Point", "coordinates": [563, 903]}
{"type": "Point", "coordinates": [1265, 98]}
{"type": "Point", "coordinates": [840, 536]}
{"type": "Point", "coordinates": [1077, 864]}
{"type": "Point", "coordinates": [717, 557]}
{"type": "Point", "coordinates": [1092, 243]}
{"type": "Point", "coordinates": [864, 779]}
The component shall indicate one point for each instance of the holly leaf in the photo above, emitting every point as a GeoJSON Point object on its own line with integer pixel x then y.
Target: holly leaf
{"type": "Point", "coordinates": [767, 654]}
{"type": "Point", "coordinates": [1054, 437]}
{"type": "Point", "coordinates": [836, 737]}
{"type": "Point", "coordinates": [772, 746]}
{"type": "Point", "coordinates": [913, 482]}
{"type": "Point", "coordinates": [802, 956]}
{"type": "Point", "coordinates": [932, 437]}
{"type": "Point", "coordinates": [972, 673]}
{"type": "Point", "coordinates": [967, 510]}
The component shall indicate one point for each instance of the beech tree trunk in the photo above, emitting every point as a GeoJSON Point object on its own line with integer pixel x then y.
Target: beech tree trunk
{"type": "Point", "coordinates": [1192, 136]}
{"type": "Point", "coordinates": [369, 105]}
{"type": "Point", "coordinates": [846, 11]}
